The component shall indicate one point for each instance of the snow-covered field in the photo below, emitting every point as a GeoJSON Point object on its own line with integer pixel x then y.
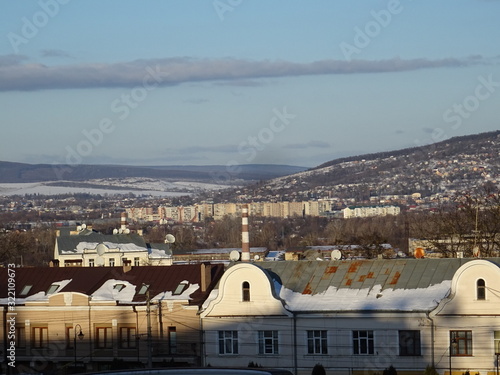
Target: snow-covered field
{"type": "Point", "coordinates": [137, 186]}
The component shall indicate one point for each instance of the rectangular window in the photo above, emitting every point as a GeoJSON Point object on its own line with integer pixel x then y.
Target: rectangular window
{"type": "Point", "coordinates": [228, 342]}
{"type": "Point", "coordinates": [362, 342]}
{"type": "Point", "coordinates": [127, 337]}
{"type": "Point", "coordinates": [461, 343]}
{"type": "Point", "coordinates": [111, 262]}
{"type": "Point", "coordinates": [20, 337]}
{"type": "Point", "coordinates": [496, 342]}
{"type": "Point", "coordinates": [317, 342]}
{"type": "Point", "coordinates": [409, 343]}
{"type": "Point", "coordinates": [104, 337]}
{"type": "Point", "coordinates": [91, 263]}
{"type": "Point", "coordinates": [40, 337]}
{"type": "Point", "coordinates": [268, 342]}
{"type": "Point", "coordinates": [69, 337]}
{"type": "Point", "coordinates": [172, 340]}
{"type": "Point", "coordinates": [137, 261]}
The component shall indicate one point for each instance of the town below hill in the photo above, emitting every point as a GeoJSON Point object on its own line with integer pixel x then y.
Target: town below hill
{"type": "Point", "coordinates": [416, 176]}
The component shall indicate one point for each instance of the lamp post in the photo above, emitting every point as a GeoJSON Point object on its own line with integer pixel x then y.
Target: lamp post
{"type": "Point", "coordinates": [453, 345]}
{"type": "Point", "coordinates": [80, 337]}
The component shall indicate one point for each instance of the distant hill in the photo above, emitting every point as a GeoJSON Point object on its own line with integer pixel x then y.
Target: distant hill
{"type": "Point", "coordinates": [456, 164]}
{"type": "Point", "coordinates": [19, 172]}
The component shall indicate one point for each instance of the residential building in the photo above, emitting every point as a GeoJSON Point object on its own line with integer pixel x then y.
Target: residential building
{"type": "Point", "coordinates": [357, 317]}
{"type": "Point", "coordinates": [67, 320]}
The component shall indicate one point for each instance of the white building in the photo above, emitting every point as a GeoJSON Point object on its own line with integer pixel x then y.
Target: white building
{"type": "Point", "coordinates": [369, 211]}
{"type": "Point", "coordinates": [357, 317]}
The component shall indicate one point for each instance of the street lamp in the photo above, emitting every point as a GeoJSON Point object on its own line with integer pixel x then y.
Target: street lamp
{"type": "Point", "coordinates": [80, 337]}
{"type": "Point", "coordinates": [453, 346]}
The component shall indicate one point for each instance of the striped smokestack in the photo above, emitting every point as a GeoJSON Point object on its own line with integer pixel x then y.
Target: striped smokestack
{"type": "Point", "coordinates": [123, 221]}
{"type": "Point", "coordinates": [245, 238]}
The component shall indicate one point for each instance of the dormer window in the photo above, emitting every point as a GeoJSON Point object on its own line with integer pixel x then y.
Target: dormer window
{"type": "Point", "coordinates": [118, 287]}
{"type": "Point", "coordinates": [26, 289]}
{"type": "Point", "coordinates": [144, 289]}
{"type": "Point", "coordinates": [245, 288]}
{"type": "Point", "coordinates": [52, 289]}
{"type": "Point", "coordinates": [481, 289]}
{"type": "Point", "coordinates": [181, 287]}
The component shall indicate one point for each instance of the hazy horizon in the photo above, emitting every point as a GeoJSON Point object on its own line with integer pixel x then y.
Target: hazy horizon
{"type": "Point", "coordinates": [218, 82]}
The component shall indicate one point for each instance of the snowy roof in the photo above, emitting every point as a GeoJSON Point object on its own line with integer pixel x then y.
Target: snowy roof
{"type": "Point", "coordinates": [76, 244]}
{"type": "Point", "coordinates": [176, 282]}
{"type": "Point", "coordinates": [357, 285]}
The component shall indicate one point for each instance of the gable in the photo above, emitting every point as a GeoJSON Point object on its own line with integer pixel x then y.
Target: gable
{"type": "Point", "coordinates": [475, 290]}
{"type": "Point", "coordinates": [245, 290]}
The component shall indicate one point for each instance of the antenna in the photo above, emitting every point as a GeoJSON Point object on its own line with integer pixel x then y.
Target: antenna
{"type": "Point", "coordinates": [84, 226]}
{"type": "Point", "coordinates": [115, 231]}
{"type": "Point", "coordinates": [101, 249]}
{"type": "Point", "coordinates": [99, 261]}
{"type": "Point", "coordinates": [127, 231]}
{"type": "Point", "coordinates": [169, 238]}
{"type": "Point", "coordinates": [336, 255]}
{"type": "Point", "coordinates": [234, 255]}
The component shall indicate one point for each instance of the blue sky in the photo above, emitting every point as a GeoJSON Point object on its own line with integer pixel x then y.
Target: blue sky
{"type": "Point", "coordinates": [242, 81]}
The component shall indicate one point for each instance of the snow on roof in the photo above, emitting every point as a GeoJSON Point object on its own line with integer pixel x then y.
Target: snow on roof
{"type": "Point", "coordinates": [115, 290]}
{"type": "Point", "coordinates": [111, 245]}
{"type": "Point", "coordinates": [185, 295]}
{"type": "Point", "coordinates": [344, 299]}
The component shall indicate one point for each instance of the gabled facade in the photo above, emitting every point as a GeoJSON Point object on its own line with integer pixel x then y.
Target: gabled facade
{"type": "Point", "coordinates": [356, 317]}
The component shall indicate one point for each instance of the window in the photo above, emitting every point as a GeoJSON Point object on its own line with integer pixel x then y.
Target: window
{"type": "Point", "coordinates": [118, 287]}
{"type": "Point", "coordinates": [137, 261]}
{"type": "Point", "coordinates": [228, 342]}
{"type": "Point", "coordinates": [144, 289]}
{"type": "Point", "coordinates": [481, 289]}
{"type": "Point", "coordinates": [268, 342]}
{"type": "Point", "coordinates": [104, 338]}
{"type": "Point", "coordinates": [362, 342]}
{"type": "Point", "coordinates": [316, 342]}
{"type": "Point", "coordinates": [91, 263]}
{"type": "Point", "coordinates": [172, 340]}
{"type": "Point", "coordinates": [52, 289]}
{"type": "Point", "coordinates": [40, 337]}
{"type": "Point", "coordinates": [20, 337]}
{"type": "Point", "coordinates": [26, 289]}
{"type": "Point", "coordinates": [69, 337]}
{"type": "Point", "coordinates": [111, 262]}
{"type": "Point", "coordinates": [460, 343]}
{"type": "Point", "coordinates": [496, 342]}
{"type": "Point", "coordinates": [181, 287]}
{"type": "Point", "coordinates": [246, 291]}
{"type": "Point", "coordinates": [127, 338]}
{"type": "Point", "coordinates": [409, 343]}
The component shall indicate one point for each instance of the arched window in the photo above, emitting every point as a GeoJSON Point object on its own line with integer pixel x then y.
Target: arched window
{"type": "Point", "coordinates": [481, 289]}
{"type": "Point", "coordinates": [246, 291]}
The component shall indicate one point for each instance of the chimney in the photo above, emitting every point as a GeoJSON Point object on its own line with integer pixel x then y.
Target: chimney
{"type": "Point", "coordinates": [127, 266]}
{"type": "Point", "coordinates": [245, 238]}
{"type": "Point", "coordinates": [206, 275]}
{"type": "Point", "coordinates": [123, 221]}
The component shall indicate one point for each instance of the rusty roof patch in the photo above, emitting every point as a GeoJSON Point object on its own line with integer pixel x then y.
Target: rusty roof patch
{"type": "Point", "coordinates": [354, 267]}
{"type": "Point", "coordinates": [370, 275]}
{"type": "Point", "coordinates": [348, 282]}
{"type": "Point", "coordinates": [307, 289]}
{"type": "Point", "coordinates": [362, 278]}
{"type": "Point", "coordinates": [395, 278]}
{"type": "Point", "coordinates": [331, 269]}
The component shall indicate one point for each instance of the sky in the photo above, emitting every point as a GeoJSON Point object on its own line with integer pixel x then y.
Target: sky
{"type": "Point", "coordinates": [232, 82]}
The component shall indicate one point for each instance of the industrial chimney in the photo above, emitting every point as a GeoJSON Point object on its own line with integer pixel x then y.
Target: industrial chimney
{"type": "Point", "coordinates": [245, 238]}
{"type": "Point", "coordinates": [123, 221]}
